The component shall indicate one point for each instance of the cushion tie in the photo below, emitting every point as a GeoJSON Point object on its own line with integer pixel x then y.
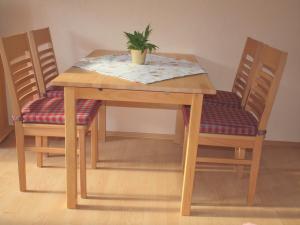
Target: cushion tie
{"type": "Point", "coordinates": [16, 118]}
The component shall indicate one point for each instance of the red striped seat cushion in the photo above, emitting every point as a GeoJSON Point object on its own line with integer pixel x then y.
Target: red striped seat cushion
{"type": "Point", "coordinates": [51, 111]}
{"type": "Point", "coordinates": [224, 120]}
{"type": "Point", "coordinates": [224, 98]}
{"type": "Point", "coordinates": [55, 92]}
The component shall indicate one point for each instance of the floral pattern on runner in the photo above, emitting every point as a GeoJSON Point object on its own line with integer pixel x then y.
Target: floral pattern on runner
{"type": "Point", "coordinates": [156, 68]}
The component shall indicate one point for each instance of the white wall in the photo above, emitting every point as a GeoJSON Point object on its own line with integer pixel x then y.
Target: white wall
{"type": "Point", "coordinates": [214, 30]}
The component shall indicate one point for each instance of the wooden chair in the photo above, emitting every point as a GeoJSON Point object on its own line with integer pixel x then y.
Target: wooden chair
{"type": "Point", "coordinates": [241, 86]}
{"type": "Point", "coordinates": [46, 70]}
{"type": "Point", "coordinates": [44, 58]}
{"type": "Point", "coordinates": [241, 128]}
{"type": "Point", "coordinates": [41, 116]}
{"type": "Point", "coordinates": [5, 128]}
{"type": "Point", "coordinates": [45, 64]}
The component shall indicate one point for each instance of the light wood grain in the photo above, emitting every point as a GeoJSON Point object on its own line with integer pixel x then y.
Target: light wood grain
{"type": "Point", "coordinates": [51, 150]}
{"type": "Point", "coordinates": [94, 143]}
{"type": "Point", "coordinates": [23, 87]}
{"type": "Point", "coordinates": [272, 60]}
{"type": "Point", "coordinates": [240, 153]}
{"type": "Point", "coordinates": [141, 105]}
{"type": "Point", "coordinates": [82, 144]}
{"type": "Point", "coordinates": [179, 129]}
{"type": "Point", "coordinates": [77, 77]}
{"type": "Point", "coordinates": [223, 161]}
{"type": "Point", "coordinates": [245, 73]}
{"type": "Point", "coordinates": [139, 135]}
{"type": "Point", "coordinates": [191, 154]}
{"type": "Point", "coordinates": [90, 85]}
{"type": "Point", "coordinates": [256, 155]}
{"type": "Point", "coordinates": [21, 155]}
{"type": "Point", "coordinates": [138, 187]}
{"type": "Point", "coordinates": [49, 130]}
{"type": "Point", "coordinates": [226, 140]}
{"type": "Point", "coordinates": [17, 64]}
{"type": "Point", "coordinates": [5, 129]}
{"type": "Point", "coordinates": [39, 155]}
{"type": "Point", "coordinates": [43, 56]}
{"type": "Point", "coordinates": [102, 122]}
{"type": "Point", "coordinates": [134, 96]}
{"type": "Point", "coordinates": [70, 145]}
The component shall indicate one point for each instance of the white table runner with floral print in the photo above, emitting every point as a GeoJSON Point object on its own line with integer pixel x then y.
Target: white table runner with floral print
{"type": "Point", "coordinates": [156, 68]}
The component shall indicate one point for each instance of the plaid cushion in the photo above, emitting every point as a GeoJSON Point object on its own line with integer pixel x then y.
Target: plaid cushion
{"type": "Point", "coordinates": [224, 98]}
{"type": "Point", "coordinates": [51, 111]}
{"type": "Point", "coordinates": [218, 119]}
{"type": "Point", "coordinates": [55, 92]}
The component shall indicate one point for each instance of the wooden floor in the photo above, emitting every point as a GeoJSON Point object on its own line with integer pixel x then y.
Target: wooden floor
{"type": "Point", "coordinates": [139, 182]}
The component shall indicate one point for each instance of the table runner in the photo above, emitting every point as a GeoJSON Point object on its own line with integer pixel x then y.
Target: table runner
{"type": "Point", "coordinates": [156, 68]}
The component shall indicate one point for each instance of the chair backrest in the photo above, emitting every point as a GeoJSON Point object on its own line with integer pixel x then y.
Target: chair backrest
{"type": "Point", "coordinates": [19, 70]}
{"type": "Point", "coordinates": [244, 75]}
{"type": "Point", "coordinates": [43, 56]}
{"type": "Point", "coordinates": [265, 84]}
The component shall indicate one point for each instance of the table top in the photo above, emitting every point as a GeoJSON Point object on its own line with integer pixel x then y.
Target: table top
{"type": "Point", "coordinates": [76, 77]}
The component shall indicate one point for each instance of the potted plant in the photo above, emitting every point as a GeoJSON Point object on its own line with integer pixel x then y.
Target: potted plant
{"type": "Point", "coordinates": [138, 44]}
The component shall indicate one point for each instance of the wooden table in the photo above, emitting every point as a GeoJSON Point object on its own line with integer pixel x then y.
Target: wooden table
{"type": "Point", "coordinates": [81, 84]}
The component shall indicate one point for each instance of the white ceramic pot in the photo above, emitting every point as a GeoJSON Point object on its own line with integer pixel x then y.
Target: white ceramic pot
{"type": "Point", "coordinates": [137, 57]}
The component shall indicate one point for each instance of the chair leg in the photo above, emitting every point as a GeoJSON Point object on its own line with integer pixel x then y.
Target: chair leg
{"type": "Point", "coordinates": [45, 144]}
{"type": "Point", "coordinates": [179, 131]}
{"type": "Point", "coordinates": [82, 157]}
{"type": "Point", "coordinates": [184, 147]}
{"type": "Point", "coordinates": [240, 153]}
{"type": "Point", "coordinates": [102, 122]}
{"type": "Point", "coordinates": [39, 155]}
{"type": "Point", "coordinates": [256, 155]}
{"type": "Point", "coordinates": [94, 143]}
{"type": "Point", "coordinates": [21, 155]}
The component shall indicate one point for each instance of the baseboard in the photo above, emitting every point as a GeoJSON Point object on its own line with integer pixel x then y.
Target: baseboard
{"type": "Point", "coordinates": [5, 133]}
{"type": "Point", "coordinates": [272, 143]}
{"type": "Point", "coordinates": [139, 135]}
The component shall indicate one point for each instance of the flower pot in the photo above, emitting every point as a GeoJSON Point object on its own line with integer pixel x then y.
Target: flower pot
{"type": "Point", "coordinates": [137, 57]}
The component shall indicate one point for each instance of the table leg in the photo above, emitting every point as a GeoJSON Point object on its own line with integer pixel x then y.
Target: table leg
{"type": "Point", "coordinates": [179, 131]}
{"type": "Point", "coordinates": [191, 154]}
{"type": "Point", "coordinates": [70, 146]}
{"type": "Point", "coordinates": [102, 123]}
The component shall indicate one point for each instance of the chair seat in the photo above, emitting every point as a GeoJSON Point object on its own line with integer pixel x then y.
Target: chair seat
{"type": "Point", "coordinates": [51, 111]}
{"type": "Point", "coordinates": [218, 119]}
{"type": "Point", "coordinates": [55, 92]}
{"type": "Point", "coordinates": [224, 98]}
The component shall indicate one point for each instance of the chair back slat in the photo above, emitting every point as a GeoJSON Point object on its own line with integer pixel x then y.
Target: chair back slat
{"type": "Point", "coordinates": [26, 97]}
{"type": "Point", "coordinates": [20, 62]}
{"type": "Point", "coordinates": [242, 82]}
{"type": "Point", "coordinates": [22, 79]}
{"type": "Point", "coordinates": [23, 69]}
{"type": "Point", "coordinates": [19, 70]}
{"type": "Point", "coordinates": [45, 49]}
{"type": "Point", "coordinates": [50, 77]}
{"type": "Point", "coordinates": [44, 56]}
{"type": "Point", "coordinates": [265, 84]}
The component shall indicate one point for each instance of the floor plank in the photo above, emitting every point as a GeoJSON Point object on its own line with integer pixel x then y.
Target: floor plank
{"type": "Point", "coordinates": [139, 182]}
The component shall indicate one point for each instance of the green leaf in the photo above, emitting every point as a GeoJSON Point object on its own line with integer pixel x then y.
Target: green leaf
{"type": "Point", "coordinates": [139, 40]}
{"type": "Point", "coordinates": [147, 31]}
